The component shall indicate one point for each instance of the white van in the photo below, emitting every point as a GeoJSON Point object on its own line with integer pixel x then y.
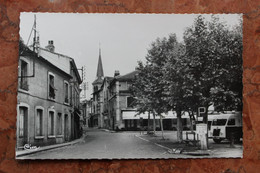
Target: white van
{"type": "Point", "coordinates": [224, 126]}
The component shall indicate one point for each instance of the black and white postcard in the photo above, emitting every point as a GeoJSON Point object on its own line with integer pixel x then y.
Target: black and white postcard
{"type": "Point", "coordinates": [129, 86]}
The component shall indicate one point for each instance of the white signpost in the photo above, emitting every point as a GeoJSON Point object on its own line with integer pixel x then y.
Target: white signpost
{"type": "Point", "coordinates": [201, 130]}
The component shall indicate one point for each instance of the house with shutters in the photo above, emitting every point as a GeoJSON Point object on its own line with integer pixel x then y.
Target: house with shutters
{"type": "Point", "coordinates": [48, 109]}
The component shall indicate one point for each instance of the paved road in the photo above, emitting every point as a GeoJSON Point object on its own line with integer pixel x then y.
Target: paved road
{"type": "Point", "coordinates": [100, 144]}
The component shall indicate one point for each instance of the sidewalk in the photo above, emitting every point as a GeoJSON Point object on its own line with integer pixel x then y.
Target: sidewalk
{"type": "Point", "coordinates": [173, 147]}
{"type": "Point", "coordinates": [49, 147]}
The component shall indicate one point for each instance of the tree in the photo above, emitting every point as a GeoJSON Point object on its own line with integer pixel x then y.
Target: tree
{"type": "Point", "coordinates": [140, 89]}
{"type": "Point", "coordinates": [227, 94]}
{"type": "Point", "coordinates": [215, 63]}
{"type": "Point", "coordinates": [206, 69]}
{"type": "Point", "coordinates": [149, 87]}
{"type": "Point", "coordinates": [214, 58]}
{"type": "Point", "coordinates": [22, 46]}
{"type": "Point", "coordinates": [174, 76]}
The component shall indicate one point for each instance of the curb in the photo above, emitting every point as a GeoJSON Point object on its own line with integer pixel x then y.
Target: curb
{"type": "Point", "coordinates": [198, 152]}
{"type": "Point", "coordinates": [46, 148]}
{"type": "Point", "coordinates": [159, 145]}
{"type": "Point", "coordinates": [178, 151]}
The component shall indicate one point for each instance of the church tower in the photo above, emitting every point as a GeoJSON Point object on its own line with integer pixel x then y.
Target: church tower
{"type": "Point", "coordinates": [100, 74]}
{"type": "Point", "coordinates": [97, 102]}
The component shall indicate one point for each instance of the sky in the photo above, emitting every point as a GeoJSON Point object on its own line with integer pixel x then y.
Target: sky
{"type": "Point", "coordinates": [123, 38]}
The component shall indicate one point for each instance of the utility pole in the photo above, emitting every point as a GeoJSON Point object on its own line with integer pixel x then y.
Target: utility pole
{"type": "Point", "coordinates": [34, 36]}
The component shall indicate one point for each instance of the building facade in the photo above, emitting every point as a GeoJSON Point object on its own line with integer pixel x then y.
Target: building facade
{"type": "Point", "coordinates": [114, 105]}
{"type": "Point", "coordinates": [105, 118]}
{"type": "Point", "coordinates": [118, 107]}
{"type": "Point", "coordinates": [48, 98]}
{"type": "Point", "coordinates": [120, 99]}
{"type": "Point", "coordinates": [86, 108]}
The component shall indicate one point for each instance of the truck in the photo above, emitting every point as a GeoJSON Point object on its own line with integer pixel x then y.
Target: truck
{"type": "Point", "coordinates": [226, 126]}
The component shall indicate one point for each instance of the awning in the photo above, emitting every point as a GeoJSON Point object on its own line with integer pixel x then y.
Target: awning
{"type": "Point", "coordinates": [129, 115]}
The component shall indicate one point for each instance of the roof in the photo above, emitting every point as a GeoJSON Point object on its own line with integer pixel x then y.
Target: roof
{"type": "Point", "coordinates": [76, 70]}
{"type": "Point", "coordinates": [108, 79]}
{"type": "Point", "coordinates": [99, 80]}
{"type": "Point", "coordinates": [124, 78]}
{"type": "Point", "coordinates": [100, 72]}
{"type": "Point", "coordinates": [28, 52]}
{"type": "Point", "coordinates": [228, 115]}
{"type": "Point", "coordinates": [127, 77]}
{"type": "Point", "coordinates": [60, 63]}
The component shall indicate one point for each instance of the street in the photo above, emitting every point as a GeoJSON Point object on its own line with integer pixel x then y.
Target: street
{"type": "Point", "coordinates": [100, 144]}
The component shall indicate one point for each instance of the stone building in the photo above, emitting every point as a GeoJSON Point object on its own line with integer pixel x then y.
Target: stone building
{"type": "Point", "coordinates": [48, 98]}
{"type": "Point", "coordinates": [120, 99]}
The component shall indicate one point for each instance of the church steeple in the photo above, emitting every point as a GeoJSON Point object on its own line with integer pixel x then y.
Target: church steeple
{"type": "Point", "coordinates": [100, 72]}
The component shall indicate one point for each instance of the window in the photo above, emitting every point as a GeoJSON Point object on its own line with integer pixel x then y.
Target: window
{"type": "Point", "coordinates": [231, 122]}
{"type": "Point", "coordinates": [22, 121]}
{"type": "Point", "coordinates": [51, 87]}
{"type": "Point", "coordinates": [130, 101]}
{"type": "Point", "coordinates": [59, 124]}
{"type": "Point", "coordinates": [219, 122]}
{"type": "Point", "coordinates": [66, 92]}
{"type": "Point", "coordinates": [71, 95]}
{"type": "Point", "coordinates": [76, 99]}
{"type": "Point", "coordinates": [39, 122]}
{"type": "Point", "coordinates": [24, 73]}
{"type": "Point", "coordinates": [51, 123]}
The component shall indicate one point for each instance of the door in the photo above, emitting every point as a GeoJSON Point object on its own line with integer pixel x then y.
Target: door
{"type": "Point", "coordinates": [23, 125]}
{"type": "Point", "coordinates": [66, 128]}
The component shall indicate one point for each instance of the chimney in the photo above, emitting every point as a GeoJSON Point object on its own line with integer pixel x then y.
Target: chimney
{"type": "Point", "coordinates": [50, 46]}
{"type": "Point", "coordinates": [117, 73]}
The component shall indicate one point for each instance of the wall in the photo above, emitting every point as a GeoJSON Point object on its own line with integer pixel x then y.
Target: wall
{"type": "Point", "coordinates": [37, 95]}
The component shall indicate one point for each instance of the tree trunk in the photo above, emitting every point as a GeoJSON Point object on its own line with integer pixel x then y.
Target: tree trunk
{"type": "Point", "coordinates": [154, 124]}
{"type": "Point", "coordinates": [207, 135]}
{"type": "Point", "coordinates": [191, 120]}
{"type": "Point", "coordinates": [179, 126]}
{"type": "Point", "coordinates": [148, 123]}
{"type": "Point", "coordinates": [161, 121]}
